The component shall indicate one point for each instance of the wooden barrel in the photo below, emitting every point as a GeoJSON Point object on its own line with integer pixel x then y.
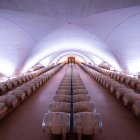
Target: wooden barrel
{"type": "Point", "coordinates": [138, 86]}
{"type": "Point", "coordinates": [56, 123]}
{"type": "Point", "coordinates": [133, 83]}
{"type": "Point", "coordinates": [10, 85]}
{"type": "Point", "coordinates": [130, 98]}
{"type": "Point", "coordinates": [78, 87]}
{"type": "Point", "coordinates": [24, 79]}
{"type": "Point", "coordinates": [64, 87]}
{"type": "Point", "coordinates": [127, 80]}
{"type": "Point", "coordinates": [118, 77]}
{"type": "Point", "coordinates": [63, 91]}
{"type": "Point", "coordinates": [3, 110]}
{"type": "Point", "coordinates": [20, 94]}
{"type": "Point", "coordinates": [114, 87]}
{"type": "Point", "coordinates": [83, 106]}
{"type": "Point", "coordinates": [120, 92]}
{"type": "Point", "coordinates": [26, 89]}
{"type": "Point", "coordinates": [15, 83]}
{"type": "Point", "coordinates": [59, 107]}
{"type": "Point", "coordinates": [11, 101]}
{"type": "Point", "coordinates": [66, 80]}
{"type": "Point", "coordinates": [20, 81]}
{"type": "Point", "coordinates": [136, 108]}
{"type": "Point", "coordinates": [3, 88]}
{"type": "Point", "coordinates": [67, 98]}
{"type": "Point", "coordinates": [65, 84]}
{"type": "Point", "coordinates": [32, 86]}
{"type": "Point", "coordinates": [80, 97]}
{"type": "Point", "coordinates": [80, 91]}
{"type": "Point", "coordinates": [87, 123]}
{"type": "Point", "coordinates": [78, 84]}
{"type": "Point", "coordinates": [122, 77]}
{"type": "Point", "coordinates": [109, 82]}
{"type": "Point", "coordinates": [62, 98]}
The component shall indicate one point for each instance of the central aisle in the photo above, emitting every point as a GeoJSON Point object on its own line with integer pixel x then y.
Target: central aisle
{"type": "Point", "coordinates": [118, 122]}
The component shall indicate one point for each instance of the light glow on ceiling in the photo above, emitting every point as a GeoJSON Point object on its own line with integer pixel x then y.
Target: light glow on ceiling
{"type": "Point", "coordinates": [134, 67]}
{"type": "Point", "coordinates": [45, 62]}
{"type": "Point", "coordinates": [6, 67]}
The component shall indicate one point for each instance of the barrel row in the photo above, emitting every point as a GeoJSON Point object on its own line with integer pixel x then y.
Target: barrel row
{"type": "Point", "coordinates": [15, 82]}
{"type": "Point", "coordinates": [130, 82]}
{"type": "Point", "coordinates": [57, 120]}
{"type": "Point", "coordinates": [13, 98]}
{"type": "Point", "coordinates": [86, 121]}
{"type": "Point", "coordinates": [127, 96]}
{"type": "Point", "coordinates": [82, 108]}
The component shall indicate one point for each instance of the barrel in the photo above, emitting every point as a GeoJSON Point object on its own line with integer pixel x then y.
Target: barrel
{"type": "Point", "coordinates": [80, 97]}
{"type": "Point", "coordinates": [80, 91]}
{"type": "Point", "coordinates": [26, 89]}
{"type": "Point", "coordinates": [56, 123]}
{"type": "Point", "coordinates": [3, 110]}
{"type": "Point", "coordinates": [32, 86]}
{"type": "Point", "coordinates": [59, 107]}
{"type": "Point", "coordinates": [114, 87]}
{"type": "Point", "coordinates": [15, 83]}
{"type": "Point", "coordinates": [130, 98]}
{"type": "Point", "coordinates": [65, 84]}
{"type": "Point", "coordinates": [122, 91]}
{"type": "Point", "coordinates": [64, 87]}
{"type": "Point", "coordinates": [62, 98]}
{"type": "Point", "coordinates": [78, 84]}
{"type": "Point", "coordinates": [122, 78]}
{"type": "Point", "coordinates": [67, 98]}
{"type": "Point", "coordinates": [63, 91]}
{"type": "Point", "coordinates": [83, 106]}
{"type": "Point", "coordinates": [136, 108]}
{"type": "Point", "coordinates": [3, 88]}
{"type": "Point", "coordinates": [133, 83]}
{"type": "Point", "coordinates": [24, 79]}
{"type": "Point", "coordinates": [109, 82]}
{"type": "Point", "coordinates": [20, 94]}
{"type": "Point", "coordinates": [87, 123]}
{"type": "Point", "coordinates": [10, 85]}
{"type": "Point", "coordinates": [138, 86]}
{"type": "Point", "coordinates": [78, 87]}
{"type": "Point", "coordinates": [20, 81]}
{"type": "Point", "coordinates": [11, 101]}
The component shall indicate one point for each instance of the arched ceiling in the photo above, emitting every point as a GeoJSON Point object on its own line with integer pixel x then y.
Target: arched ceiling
{"type": "Point", "coordinates": [31, 30]}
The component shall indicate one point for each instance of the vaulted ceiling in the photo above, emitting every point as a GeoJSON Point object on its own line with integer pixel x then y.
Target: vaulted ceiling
{"type": "Point", "coordinates": [35, 30]}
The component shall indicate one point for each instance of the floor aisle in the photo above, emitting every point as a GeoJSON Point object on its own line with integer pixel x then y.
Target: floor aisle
{"type": "Point", "coordinates": [118, 122]}
{"type": "Point", "coordinates": [24, 123]}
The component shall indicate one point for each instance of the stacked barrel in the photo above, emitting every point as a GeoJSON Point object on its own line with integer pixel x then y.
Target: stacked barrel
{"type": "Point", "coordinates": [10, 100]}
{"type": "Point", "coordinates": [85, 119]}
{"type": "Point", "coordinates": [57, 120]}
{"type": "Point", "coordinates": [72, 99]}
{"type": "Point", "coordinates": [124, 88]}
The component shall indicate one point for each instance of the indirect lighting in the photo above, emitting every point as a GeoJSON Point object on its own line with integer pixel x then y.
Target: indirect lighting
{"type": "Point", "coordinates": [134, 67]}
{"type": "Point", "coordinates": [6, 67]}
{"type": "Point", "coordinates": [45, 62]}
{"type": "Point", "coordinates": [97, 60]}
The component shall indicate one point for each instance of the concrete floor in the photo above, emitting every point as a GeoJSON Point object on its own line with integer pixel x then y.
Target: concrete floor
{"type": "Point", "coordinates": [24, 123]}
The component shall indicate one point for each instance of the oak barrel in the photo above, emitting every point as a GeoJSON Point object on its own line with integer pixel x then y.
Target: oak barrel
{"type": "Point", "coordinates": [87, 123]}
{"type": "Point", "coordinates": [56, 123]}
{"type": "Point", "coordinates": [59, 107]}
{"type": "Point", "coordinates": [83, 106]}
